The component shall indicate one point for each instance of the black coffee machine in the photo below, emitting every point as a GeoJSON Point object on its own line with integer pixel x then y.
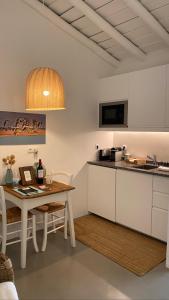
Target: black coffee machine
{"type": "Point", "coordinates": [110, 154]}
{"type": "Point", "coordinates": [104, 154]}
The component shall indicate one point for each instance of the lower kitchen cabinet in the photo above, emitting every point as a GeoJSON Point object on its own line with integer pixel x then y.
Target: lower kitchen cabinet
{"type": "Point", "coordinates": [134, 200]}
{"type": "Point", "coordinates": [101, 191]}
{"type": "Point", "coordinates": [160, 207]}
{"type": "Point", "coordinates": [159, 223]}
{"type": "Point", "coordinates": [137, 200]}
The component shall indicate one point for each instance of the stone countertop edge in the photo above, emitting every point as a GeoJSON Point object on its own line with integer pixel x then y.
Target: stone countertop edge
{"type": "Point", "coordinates": [122, 165]}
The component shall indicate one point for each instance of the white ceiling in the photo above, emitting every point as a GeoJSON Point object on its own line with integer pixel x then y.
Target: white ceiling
{"type": "Point", "coordinates": [122, 18]}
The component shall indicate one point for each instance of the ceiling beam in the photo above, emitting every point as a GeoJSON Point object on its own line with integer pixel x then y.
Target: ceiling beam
{"type": "Point", "coordinates": [148, 18]}
{"type": "Point", "coordinates": [63, 25]}
{"type": "Point", "coordinates": [108, 28]}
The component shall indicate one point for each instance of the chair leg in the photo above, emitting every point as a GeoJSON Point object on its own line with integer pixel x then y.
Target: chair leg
{"type": "Point", "coordinates": [34, 233]}
{"type": "Point", "coordinates": [45, 222]}
{"type": "Point", "coordinates": [4, 237]}
{"type": "Point", "coordinates": [65, 223]}
{"type": "Point", "coordinates": [29, 230]}
{"type": "Point", "coordinates": [54, 224]}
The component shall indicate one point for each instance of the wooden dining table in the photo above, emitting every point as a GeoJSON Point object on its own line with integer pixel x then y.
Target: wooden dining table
{"type": "Point", "coordinates": [55, 192]}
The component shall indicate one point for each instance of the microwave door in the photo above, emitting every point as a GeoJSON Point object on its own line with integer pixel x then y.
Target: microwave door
{"type": "Point", "coordinates": [113, 115]}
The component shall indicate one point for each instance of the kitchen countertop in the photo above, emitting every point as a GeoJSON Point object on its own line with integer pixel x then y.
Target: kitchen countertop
{"type": "Point", "coordinates": [128, 166]}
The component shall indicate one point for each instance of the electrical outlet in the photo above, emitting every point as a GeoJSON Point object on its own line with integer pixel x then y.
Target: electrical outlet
{"type": "Point", "coordinates": [33, 150]}
{"type": "Point", "coordinates": [30, 150]}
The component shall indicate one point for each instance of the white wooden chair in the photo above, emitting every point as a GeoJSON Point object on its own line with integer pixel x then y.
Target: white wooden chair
{"type": "Point", "coordinates": [12, 216]}
{"type": "Point", "coordinates": [51, 212]}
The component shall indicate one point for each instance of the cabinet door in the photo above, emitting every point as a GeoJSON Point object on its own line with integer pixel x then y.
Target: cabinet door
{"type": "Point", "coordinates": [101, 191]}
{"type": "Point", "coordinates": [134, 200]}
{"type": "Point", "coordinates": [114, 88]}
{"type": "Point", "coordinates": [147, 94]}
{"type": "Point", "coordinates": [161, 200]}
{"type": "Point", "coordinates": [161, 184]}
{"type": "Point", "coordinates": [159, 223]}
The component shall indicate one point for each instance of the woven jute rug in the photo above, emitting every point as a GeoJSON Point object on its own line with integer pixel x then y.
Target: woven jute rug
{"type": "Point", "coordinates": [132, 250]}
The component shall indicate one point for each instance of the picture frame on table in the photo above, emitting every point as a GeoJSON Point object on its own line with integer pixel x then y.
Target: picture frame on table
{"type": "Point", "coordinates": [27, 175]}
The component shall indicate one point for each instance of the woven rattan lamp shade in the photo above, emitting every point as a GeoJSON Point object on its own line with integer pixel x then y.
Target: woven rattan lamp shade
{"type": "Point", "coordinates": [44, 90]}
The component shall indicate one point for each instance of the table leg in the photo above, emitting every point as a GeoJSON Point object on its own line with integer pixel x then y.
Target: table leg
{"type": "Point", "coordinates": [71, 222]}
{"type": "Point", "coordinates": [167, 263]}
{"type": "Point", "coordinates": [24, 237]}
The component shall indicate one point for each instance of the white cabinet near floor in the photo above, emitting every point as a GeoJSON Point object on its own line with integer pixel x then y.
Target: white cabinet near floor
{"type": "Point", "coordinates": [160, 207]}
{"type": "Point", "coordinates": [134, 200]}
{"type": "Point", "coordinates": [159, 223]}
{"type": "Point", "coordinates": [147, 94]}
{"type": "Point", "coordinates": [101, 191]}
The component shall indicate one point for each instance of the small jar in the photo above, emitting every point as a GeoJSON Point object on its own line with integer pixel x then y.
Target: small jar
{"type": "Point", "coordinates": [127, 156]}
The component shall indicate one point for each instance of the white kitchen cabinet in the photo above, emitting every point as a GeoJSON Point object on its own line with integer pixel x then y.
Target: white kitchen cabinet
{"type": "Point", "coordinates": [159, 223]}
{"type": "Point", "coordinates": [147, 98]}
{"type": "Point", "coordinates": [161, 184]}
{"type": "Point", "coordinates": [160, 207]}
{"type": "Point", "coordinates": [101, 191]}
{"type": "Point", "coordinates": [134, 200]}
{"type": "Point", "coordinates": [147, 92]}
{"type": "Point", "coordinates": [160, 200]}
{"type": "Point", "coordinates": [114, 88]}
{"type": "Point", "coordinates": [137, 200]}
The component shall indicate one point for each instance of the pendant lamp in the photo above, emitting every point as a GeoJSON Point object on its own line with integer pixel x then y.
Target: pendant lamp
{"type": "Point", "coordinates": [44, 90]}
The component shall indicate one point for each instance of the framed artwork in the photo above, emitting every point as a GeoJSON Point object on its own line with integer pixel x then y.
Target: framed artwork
{"type": "Point", "coordinates": [22, 128]}
{"type": "Point", "coordinates": [27, 175]}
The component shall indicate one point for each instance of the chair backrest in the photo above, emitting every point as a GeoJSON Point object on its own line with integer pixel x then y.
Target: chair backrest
{"type": "Point", "coordinates": [2, 205]}
{"type": "Point", "coordinates": [63, 177]}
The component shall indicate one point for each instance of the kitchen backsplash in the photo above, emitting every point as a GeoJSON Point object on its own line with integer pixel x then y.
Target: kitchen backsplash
{"type": "Point", "coordinates": [143, 143]}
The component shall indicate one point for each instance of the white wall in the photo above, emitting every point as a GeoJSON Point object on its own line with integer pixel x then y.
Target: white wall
{"type": "Point", "coordinates": [143, 143]}
{"type": "Point", "coordinates": [28, 41]}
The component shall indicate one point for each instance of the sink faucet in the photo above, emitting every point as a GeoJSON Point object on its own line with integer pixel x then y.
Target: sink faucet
{"type": "Point", "coordinates": [153, 158]}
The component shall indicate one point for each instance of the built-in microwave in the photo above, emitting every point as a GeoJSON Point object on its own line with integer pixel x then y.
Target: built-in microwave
{"type": "Point", "coordinates": [113, 114]}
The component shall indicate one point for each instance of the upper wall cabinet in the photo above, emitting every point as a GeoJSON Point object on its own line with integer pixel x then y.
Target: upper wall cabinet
{"type": "Point", "coordinates": [114, 88]}
{"type": "Point", "coordinates": [147, 94]}
{"type": "Point", "coordinates": [147, 98]}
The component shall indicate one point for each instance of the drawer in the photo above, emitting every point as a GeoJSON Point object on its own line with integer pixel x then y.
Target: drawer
{"type": "Point", "coordinates": [161, 184]}
{"type": "Point", "coordinates": [160, 200]}
{"type": "Point", "coordinates": [159, 223]}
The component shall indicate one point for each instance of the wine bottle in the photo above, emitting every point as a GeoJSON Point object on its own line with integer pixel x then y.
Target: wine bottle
{"type": "Point", "coordinates": [40, 172]}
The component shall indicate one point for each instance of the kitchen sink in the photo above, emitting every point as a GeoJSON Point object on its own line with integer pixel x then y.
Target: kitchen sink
{"type": "Point", "coordinates": [145, 167]}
